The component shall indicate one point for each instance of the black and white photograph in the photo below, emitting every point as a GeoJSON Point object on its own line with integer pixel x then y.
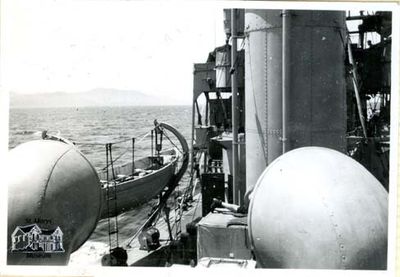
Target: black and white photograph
{"type": "Point", "coordinates": [200, 135]}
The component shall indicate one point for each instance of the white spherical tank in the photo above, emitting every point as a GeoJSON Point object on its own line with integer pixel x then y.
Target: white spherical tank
{"type": "Point", "coordinates": [54, 202]}
{"type": "Point", "coordinates": [315, 207]}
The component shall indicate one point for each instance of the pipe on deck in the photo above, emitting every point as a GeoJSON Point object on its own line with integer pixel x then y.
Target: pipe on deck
{"type": "Point", "coordinates": [235, 153]}
{"type": "Point", "coordinates": [285, 75]}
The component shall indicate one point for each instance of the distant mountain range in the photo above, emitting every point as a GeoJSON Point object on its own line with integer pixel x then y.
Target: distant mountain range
{"type": "Point", "coordinates": [92, 98]}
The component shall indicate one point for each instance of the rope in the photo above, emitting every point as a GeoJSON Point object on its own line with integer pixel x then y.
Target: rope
{"type": "Point", "coordinates": [172, 142]}
{"type": "Point", "coordinates": [138, 231]}
{"type": "Point", "coordinates": [179, 214]}
{"type": "Point", "coordinates": [117, 158]}
{"type": "Point", "coordinates": [126, 150]}
{"type": "Point", "coordinates": [195, 209]}
{"type": "Point", "coordinates": [90, 143]}
{"type": "Point", "coordinates": [129, 139]}
{"type": "Point", "coordinates": [144, 135]}
{"type": "Point", "coordinates": [173, 225]}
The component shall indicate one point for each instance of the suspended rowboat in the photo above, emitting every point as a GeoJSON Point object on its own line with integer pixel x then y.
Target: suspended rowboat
{"type": "Point", "coordinates": [132, 184]}
{"type": "Point", "coordinates": [151, 175]}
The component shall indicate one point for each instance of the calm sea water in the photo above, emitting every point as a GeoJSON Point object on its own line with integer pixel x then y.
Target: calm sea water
{"type": "Point", "coordinates": [90, 128]}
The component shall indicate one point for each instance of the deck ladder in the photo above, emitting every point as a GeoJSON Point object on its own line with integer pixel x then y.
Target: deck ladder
{"type": "Point", "coordinates": [111, 199]}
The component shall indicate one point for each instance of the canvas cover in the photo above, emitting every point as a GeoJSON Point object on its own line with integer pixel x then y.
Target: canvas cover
{"type": "Point", "coordinates": [223, 235]}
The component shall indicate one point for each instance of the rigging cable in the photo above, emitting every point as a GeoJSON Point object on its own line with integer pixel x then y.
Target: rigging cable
{"type": "Point", "coordinates": [172, 142]}
{"type": "Point", "coordinates": [126, 149]}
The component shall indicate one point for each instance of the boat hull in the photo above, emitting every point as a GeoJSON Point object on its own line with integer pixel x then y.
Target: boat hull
{"type": "Point", "coordinates": [137, 191]}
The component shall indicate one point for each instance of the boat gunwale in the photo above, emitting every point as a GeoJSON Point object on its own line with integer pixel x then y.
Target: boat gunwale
{"type": "Point", "coordinates": [173, 152]}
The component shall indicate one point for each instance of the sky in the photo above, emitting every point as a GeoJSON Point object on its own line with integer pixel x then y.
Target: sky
{"type": "Point", "coordinates": [72, 46]}
{"type": "Point", "coordinates": [76, 46]}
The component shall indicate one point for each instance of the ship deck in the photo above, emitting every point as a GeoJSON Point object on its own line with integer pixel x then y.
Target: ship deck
{"type": "Point", "coordinates": [137, 257]}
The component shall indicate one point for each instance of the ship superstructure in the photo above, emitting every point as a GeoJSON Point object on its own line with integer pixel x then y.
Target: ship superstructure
{"type": "Point", "coordinates": [300, 79]}
{"type": "Point", "coordinates": [282, 115]}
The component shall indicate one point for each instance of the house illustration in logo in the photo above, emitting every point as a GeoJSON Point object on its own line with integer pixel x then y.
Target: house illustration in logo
{"type": "Point", "coordinates": [31, 238]}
